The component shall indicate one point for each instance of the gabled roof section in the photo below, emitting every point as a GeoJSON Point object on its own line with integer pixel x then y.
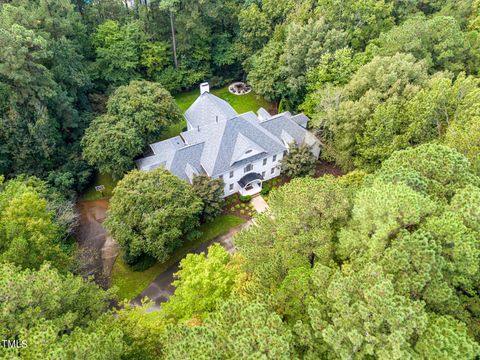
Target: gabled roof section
{"type": "Point", "coordinates": [287, 138]}
{"type": "Point", "coordinates": [163, 153]}
{"type": "Point", "coordinates": [187, 161]}
{"type": "Point", "coordinates": [263, 114]}
{"type": "Point", "coordinates": [183, 162]}
{"type": "Point", "coordinates": [224, 149]}
{"type": "Point", "coordinates": [207, 109]}
{"type": "Point", "coordinates": [301, 119]}
{"type": "Point", "coordinates": [168, 145]}
{"type": "Point", "coordinates": [283, 127]}
{"type": "Point", "coordinates": [245, 148]}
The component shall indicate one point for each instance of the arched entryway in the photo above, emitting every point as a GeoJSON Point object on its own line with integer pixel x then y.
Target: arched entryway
{"type": "Point", "coordinates": [250, 184]}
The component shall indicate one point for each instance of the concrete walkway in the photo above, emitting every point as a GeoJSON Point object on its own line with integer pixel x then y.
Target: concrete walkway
{"type": "Point", "coordinates": [161, 288]}
{"type": "Point", "coordinates": [259, 204]}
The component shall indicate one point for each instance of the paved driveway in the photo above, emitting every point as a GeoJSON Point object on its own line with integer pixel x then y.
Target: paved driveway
{"type": "Point", "coordinates": [161, 288]}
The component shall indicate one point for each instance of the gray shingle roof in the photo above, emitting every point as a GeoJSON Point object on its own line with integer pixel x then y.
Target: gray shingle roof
{"type": "Point", "coordinates": [217, 147]}
{"type": "Point", "coordinates": [186, 160]}
{"type": "Point", "coordinates": [263, 114]}
{"type": "Point", "coordinates": [224, 147]}
{"type": "Point", "coordinates": [301, 119]}
{"type": "Point", "coordinates": [163, 151]}
{"type": "Point", "coordinates": [206, 109]}
{"type": "Point", "coordinates": [283, 127]}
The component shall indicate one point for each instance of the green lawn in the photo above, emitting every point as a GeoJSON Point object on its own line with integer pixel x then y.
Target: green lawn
{"type": "Point", "coordinates": [131, 283]}
{"type": "Point", "coordinates": [242, 104]}
{"type": "Point", "coordinates": [100, 179]}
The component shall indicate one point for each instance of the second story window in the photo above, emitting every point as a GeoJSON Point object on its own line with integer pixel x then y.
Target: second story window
{"type": "Point", "coordinates": [265, 161]}
{"type": "Point", "coordinates": [221, 177]}
{"type": "Point", "coordinates": [231, 174]}
{"type": "Point", "coordinates": [231, 187]}
{"type": "Point", "coordinates": [272, 170]}
{"type": "Point", "coordinates": [248, 168]}
{"type": "Point", "coordinates": [274, 158]}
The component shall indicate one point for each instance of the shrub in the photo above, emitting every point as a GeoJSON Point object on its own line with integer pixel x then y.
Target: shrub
{"type": "Point", "coordinates": [249, 214]}
{"type": "Point", "coordinates": [237, 206]}
{"type": "Point", "coordinates": [211, 193]}
{"type": "Point", "coordinates": [232, 209]}
{"type": "Point", "coordinates": [298, 162]}
{"type": "Point", "coordinates": [245, 199]}
{"type": "Point", "coordinates": [242, 212]}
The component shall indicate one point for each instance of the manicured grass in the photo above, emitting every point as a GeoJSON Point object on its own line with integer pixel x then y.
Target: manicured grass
{"type": "Point", "coordinates": [131, 283]}
{"type": "Point", "coordinates": [100, 179]}
{"type": "Point", "coordinates": [242, 104]}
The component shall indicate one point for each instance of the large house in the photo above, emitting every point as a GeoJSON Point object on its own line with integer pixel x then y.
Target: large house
{"type": "Point", "coordinates": [242, 150]}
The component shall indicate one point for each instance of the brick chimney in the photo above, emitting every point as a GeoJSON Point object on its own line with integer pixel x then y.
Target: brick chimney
{"type": "Point", "coordinates": [204, 87]}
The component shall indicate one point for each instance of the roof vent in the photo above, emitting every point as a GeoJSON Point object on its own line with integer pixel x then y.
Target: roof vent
{"type": "Point", "coordinates": [204, 87]}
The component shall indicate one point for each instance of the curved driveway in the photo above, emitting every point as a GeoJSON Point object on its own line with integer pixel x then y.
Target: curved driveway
{"type": "Point", "coordinates": [161, 288]}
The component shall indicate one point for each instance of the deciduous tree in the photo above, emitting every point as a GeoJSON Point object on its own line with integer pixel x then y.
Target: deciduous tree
{"type": "Point", "coordinates": [197, 296]}
{"type": "Point", "coordinates": [299, 161]}
{"type": "Point", "coordinates": [152, 213]}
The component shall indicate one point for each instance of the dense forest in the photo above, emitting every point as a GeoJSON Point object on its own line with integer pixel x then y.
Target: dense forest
{"type": "Point", "coordinates": [380, 263]}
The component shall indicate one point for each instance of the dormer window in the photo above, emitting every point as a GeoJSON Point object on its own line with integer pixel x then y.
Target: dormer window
{"type": "Point", "coordinates": [248, 151]}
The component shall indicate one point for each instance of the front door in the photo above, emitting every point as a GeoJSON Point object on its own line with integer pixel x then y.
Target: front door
{"type": "Point", "coordinates": [249, 187]}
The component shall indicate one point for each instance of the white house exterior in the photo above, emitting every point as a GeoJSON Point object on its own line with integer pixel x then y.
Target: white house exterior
{"type": "Point", "coordinates": [243, 150]}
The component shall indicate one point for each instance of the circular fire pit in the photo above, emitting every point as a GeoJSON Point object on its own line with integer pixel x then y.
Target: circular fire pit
{"type": "Point", "coordinates": [239, 88]}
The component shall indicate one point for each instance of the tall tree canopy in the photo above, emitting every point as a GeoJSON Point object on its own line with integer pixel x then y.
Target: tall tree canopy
{"type": "Point", "coordinates": [43, 79]}
{"type": "Point", "coordinates": [196, 296]}
{"type": "Point", "coordinates": [136, 116]}
{"type": "Point", "coordinates": [35, 222]}
{"type": "Point", "coordinates": [155, 220]}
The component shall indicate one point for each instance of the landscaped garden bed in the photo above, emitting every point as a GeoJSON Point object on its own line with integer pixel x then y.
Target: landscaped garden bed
{"type": "Point", "coordinates": [235, 206]}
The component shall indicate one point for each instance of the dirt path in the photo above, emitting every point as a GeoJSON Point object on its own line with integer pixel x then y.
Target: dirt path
{"type": "Point", "coordinates": [98, 249]}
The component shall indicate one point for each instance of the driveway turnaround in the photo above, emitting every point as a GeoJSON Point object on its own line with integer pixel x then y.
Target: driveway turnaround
{"type": "Point", "coordinates": [161, 288]}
